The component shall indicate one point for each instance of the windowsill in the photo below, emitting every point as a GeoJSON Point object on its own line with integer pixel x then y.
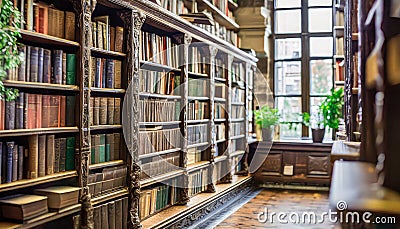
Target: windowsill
{"type": "Point", "coordinates": [302, 141]}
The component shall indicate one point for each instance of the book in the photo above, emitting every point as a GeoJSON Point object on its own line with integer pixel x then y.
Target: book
{"type": "Point", "coordinates": [119, 39]}
{"type": "Point", "coordinates": [40, 65]}
{"type": "Point", "coordinates": [10, 115]}
{"type": "Point", "coordinates": [50, 155]}
{"type": "Point", "coordinates": [10, 154]}
{"type": "Point", "coordinates": [19, 111]}
{"type": "Point", "coordinates": [111, 215]}
{"type": "Point", "coordinates": [104, 217]}
{"type": "Point", "coordinates": [70, 154]}
{"type": "Point", "coordinates": [63, 154]}
{"type": "Point", "coordinates": [118, 214]}
{"type": "Point", "coordinates": [33, 166]}
{"type": "Point", "coordinates": [59, 197]}
{"type": "Point", "coordinates": [23, 207]}
{"type": "Point", "coordinates": [42, 156]}
{"type": "Point", "coordinates": [71, 69]}
{"type": "Point", "coordinates": [70, 25]}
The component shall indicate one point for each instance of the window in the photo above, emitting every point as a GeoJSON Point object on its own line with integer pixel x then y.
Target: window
{"type": "Point", "coordinates": [303, 60]}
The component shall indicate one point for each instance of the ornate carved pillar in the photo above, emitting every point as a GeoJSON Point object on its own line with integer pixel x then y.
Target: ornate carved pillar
{"type": "Point", "coordinates": [133, 21]}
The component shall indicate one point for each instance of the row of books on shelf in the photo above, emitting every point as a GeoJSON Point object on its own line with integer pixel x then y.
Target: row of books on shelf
{"type": "Point", "coordinates": [222, 32]}
{"type": "Point", "coordinates": [198, 87]}
{"type": "Point", "coordinates": [220, 68]}
{"type": "Point", "coordinates": [219, 110]}
{"type": "Point", "coordinates": [197, 61]}
{"type": "Point", "coordinates": [159, 49]}
{"type": "Point", "coordinates": [237, 111]}
{"type": "Point", "coordinates": [42, 155]}
{"type": "Point", "coordinates": [31, 111]}
{"type": "Point", "coordinates": [237, 72]}
{"type": "Point", "coordinates": [106, 73]}
{"type": "Point", "coordinates": [236, 165]}
{"type": "Point", "coordinates": [105, 111]}
{"type": "Point", "coordinates": [236, 129]}
{"type": "Point", "coordinates": [107, 180]}
{"type": "Point", "coordinates": [159, 165]}
{"type": "Point", "coordinates": [156, 82]}
{"type": "Point", "coordinates": [238, 95]}
{"type": "Point", "coordinates": [22, 207]}
{"type": "Point", "coordinates": [113, 214]}
{"type": "Point", "coordinates": [105, 36]}
{"type": "Point", "coordinates": [220, 170]}
{"type": "Point", "coordinates": [340, 71]}
{"type": "Point", "coordinates": [339, 18]}
{"type": "Point", "coordinates": [105, 147]}
{"type": "Point", "coordinates": [158, 110]}
{"type": "Point", "coordinates": [220, 90]}
{"type": "Point", "coordinates": [220, 131]}
{"type": "Point", "coordinates": [197, 110]}
{"type": "Point", "coordinates": [42, 65]}
{"type": "Point", "coordinates": [159, 140]}
{"type": "Point", "coordinates": [43, 18]}
{"type": "Point", "coordinates": [237, 144]}
{"type": "Point", "coordinates": [198, 181]}
{"type": "Point", "coordinates": [197, 134]}
{"type": "Point", "coordinates": [174, 6]}
{"type": "Point", "coordinates": [193, 155]}
{"type": "Point", "coordinates": [154, 199]}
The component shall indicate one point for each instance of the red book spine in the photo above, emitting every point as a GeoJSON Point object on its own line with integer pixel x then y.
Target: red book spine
{"type": "Point", "coordinates": [46, 111]}
{"type": "Point", "coordinates": [31, 113]}
{"type": "Point", "coordinates": [43, 19]}
{"type": "Point", "coordinates": [54, 108]}
{"type": "Point", "coordinates": [38, 111]}
{"type": "Point", "coordinates": [62, 111]}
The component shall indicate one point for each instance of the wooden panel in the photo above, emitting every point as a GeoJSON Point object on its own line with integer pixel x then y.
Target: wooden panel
{"type": "Point", "coordinates": [289, 159]}
{"type": "Point", "coordinates": [273, 164]}
{"type": "Point", "coordinates": [301, 164]}
{"type": "Point", "coordinates": [318, 165]}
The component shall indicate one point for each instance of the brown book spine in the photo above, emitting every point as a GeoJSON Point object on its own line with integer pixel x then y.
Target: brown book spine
{"type": "Point", "coordinates": [104, 217]}
{"type": "Point", "coordinates": [96, 111]}
{"type": "Point", "coordinates": [112, 38]}
{"type": "Point", "coordinates": [50, 154]}
{"type": "Point", "coordinates": [39, 111]}
{"type": "Point", "coordinates": [111, 215]}
{"type": "Point", "coordinates": [31, 112]}
{"type": "Point", "coordinates": [118, 214]}
{"type": "Point", "coordinates": [63, 154]}
{"type": "Point", "coordinates": [119, 39]}
{"type": "Point", "coordinates": [36, 18]}
{"type": "Point", "coordinates": [64, 68]}
{"type": "Point", "coordinates": [10, 115]}
{"type": "Point", "coordinates": [33, 157]}
{"type": "Point", "coordinates": [43, 19]}
{"type": "Point", "coordinates": [45, 111]}
{"type": "Point", "coordinates": [20, 162]}
{"type": "Point", "coordinates": [125, 213]}
{"type": "Point", "coordinates": [91, 110]}
{"type": "Point", "coordinates": [110, 111]}
{"type": "Point", "coordinates": [69, 26]}
{"type": "Point", "coordinates": [54, 110]}
{"type": "Point", "coordinates": [62, 110]}
{"type": "Point", "coordinates": [2, 113]}
{"type": "Point", "coordinates": [60, 24]}
{"type": "Point", "coordinates": [15, 163]}
{"type": "Point", "coordinates": [117, 111]}
{"type": "Point", "coordinates": [57, 153]}
{"type": "Point", "coordinates": [117, 73]}
{"type": "Point", "coordinates": [103, 111]}
{"type": "Point", "coordinates": [42, 156]}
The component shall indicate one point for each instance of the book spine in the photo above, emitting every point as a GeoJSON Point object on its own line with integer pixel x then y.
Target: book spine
{"type": "Point", "coordinates": [110, 110]}
{"type": "Point", "coordinates": [62, 111]}
{"type": "Point", "coordinates": [111, 142]}
{"type": "Point", "coordinates": [57, 153]}
{"type": "Point", "coordinates": [102, 148]}
{"type": "Point", "coordinates": [10, 115]}
{"type": "Point", "coordinates": [117, 73]}
{"type": "Point", "coordinates": [46, 66]}
{"type": "Point", "coordinates": [69, 26]}
{"type": "Point", "coordinates": [38, 111]}
{"type": "Point", "coordinates": [119, 39]}
{"type": "Point", "coordinates": [40, 65]}
{"type": "Point", "coordinates": [117, 111]}
{"type": "Point", "coordinates": [98, 73]}
{"type": "Point", "coordinates": [71, 69]}
{"type": "Point", "coordinates": [110, 73]}
{"type": "Point", "coordinates": [70, 156]}
{"type": "Point", "coordinates": [2, 113]}
{"type": "Point", "coordinates": [15, 163]}
{"type": "Point", "coordinates": [50, 154]}
{"type": "Point", "coordinates": [108, 147]}
{"type": "Point", "coordinates": [19, 111]}
{"type": "Point", "coordinates": [21, 69]}
{"type": "Point", "coordinates": [111, 215]}
{"type": "Point", "coordinates": [103, 73]}
{"type": "Point", "coordinates": [29, 14]}
{"type": "Point", "coordinates": [64, 68]}
{"type": "Point", "coordinates": [57, 66]}
{"type": "Point", "coordinates": [10, 151]}
{"type": "Point", "coordinates": [96, 111]}
{"type": "Point", "coordinates": [70, 111]}
{"type": "Point", "coordinates": [92, 149]}
{"type": "Point", "coordinates": [33, 76]}
{"type": "Point", "coordinates": [63, 154]}
{"type": "Point", "coordinates": [42, 156]}
{"type": "Point", "coordinates": [118, 214]}
{"type": "Point", "coordinates": [125, 213]}
{"type": "Point", "coordinates": [33, 157]}
{"type": "Point", "coordinates": [103, 111]}
{"type": "Point", "coordinates": [104, 217]}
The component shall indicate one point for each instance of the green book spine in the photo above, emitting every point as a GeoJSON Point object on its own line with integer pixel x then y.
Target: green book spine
{"type": "Point", "coordinates": [70, 112]}
{"type": "Point", "coordinates": [158, 197]}
{"type": "Point", "coordinates": [93, 150]}
{"type": "Point", "coordinates": [70, 157]}
{"type": "Point", "coordinates": [108, 146]}
{"type": "Point", "coordinates": [71, 69]}
{"type": "Point", "coordinates": [102, 148]}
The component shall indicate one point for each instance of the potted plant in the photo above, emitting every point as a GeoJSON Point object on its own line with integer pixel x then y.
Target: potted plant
{"type": "Point", "coordinates": [266, 118]}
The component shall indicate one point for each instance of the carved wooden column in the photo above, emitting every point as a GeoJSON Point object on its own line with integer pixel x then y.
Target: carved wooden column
{"type": "Point", "coordinates": [84, 9]}
{"type": "Point", "coordinates": [184, 92]}
{"type": "Point", "coordinates": [212, 137]}
{"type": "Point", "coordinates": [246, 122]}
{"type": "Point", "coordinates": [133, 21]}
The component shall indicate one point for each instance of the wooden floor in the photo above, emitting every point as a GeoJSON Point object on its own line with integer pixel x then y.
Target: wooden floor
{"type": "Point", "coordinates": [278, 201]}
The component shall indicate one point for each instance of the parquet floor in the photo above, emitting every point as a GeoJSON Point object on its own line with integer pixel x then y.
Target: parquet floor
{"type": "Point", "coordinates": [287, 201]}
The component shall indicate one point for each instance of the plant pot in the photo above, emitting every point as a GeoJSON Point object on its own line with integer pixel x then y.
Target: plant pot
{"type": "Point", "coordinates": [318, 135]}
{"type": "Point", "coordinates": [267, 134]}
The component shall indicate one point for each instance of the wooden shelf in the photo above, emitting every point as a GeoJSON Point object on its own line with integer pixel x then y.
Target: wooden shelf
{"type": "Point", "coordinates": [338, 27]}
{"type": "Point", "coordinates": [105, 127]}
{"type": "Point", "coordinates": [44, 39]}
{"type": "Point", "coordinates": [37, 131]}
{"type": "Point", "coordinates": [239, 84]}
{"type": "Point", "coordinates": [106, 164]}
{"type": "Point", "coordinates": [107, 90]}
{"type": "Point", "coordinates": [104, 198]}
{"type": "Point", "coordinates": [219, 100]}
{"type": "Point", "coordinates": [41, 86]}
{"type": "Point", "coordinates": [339, 82]}
{"type": "Point", "coordinates": [158, 153]}
{"type": "Point", "coordinates": [220, 140]}
{"type": "Point", "coordinates": [37, 181]}
{"type": "Point", "coordinates": [45, 218]}
{"type": "Point", "coordinates": [237, 137]}
{"type": "Point", "coordinates": [222, 80]}
{"type": "Point", "coordinates": [220, 158]}
{"type": "Point", "coordinates": [338, 56]}
{"type": "Point", "coordinates": [220, 120]}
{"type": "Point", "coordinates": [197, 75]}
{"type": "Point", "coordinates": [158, 96]}
{"type": "Point", "coordinates": [159, 123]}
{"type": "Point", "coordinates": [237, 153]}
{"type": "Point", "coordinates": [238, 103]}
{"type": "Point", "coordinates": [159, 178]}
{"type": "Point", "coordinates": [198, 121]}
{"type": "Point", "coordinates": [197, 145]}
{"type": "Point", "coordinates": [237, 120]}
{"type": "Point", "coordinates": [107, 53]}
{"type": "Point", "coordinates": [199, 98]}
{"type": "Point", "coordinates": [354, 91]}
{"type": "Point", "coordinates": [197, 166]}
{"type": "Point", "coordinates": [354, 36]}
{"type": "Point", "coordinates": [232, 5]}
{"type": "Point", "coordinates": [219, 16]}
{"type": "Point", "coordinates": [148, 65]}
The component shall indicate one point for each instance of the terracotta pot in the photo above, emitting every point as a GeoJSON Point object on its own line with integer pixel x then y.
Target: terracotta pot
{"type": "Point", "coordinates": [318, 135]}
{"type": "Point", "coordinates": [267, 134]}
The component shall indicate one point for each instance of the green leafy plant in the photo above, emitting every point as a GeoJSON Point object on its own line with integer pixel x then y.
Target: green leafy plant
{"type": "Point", "coordinates": [10, 19]}
{"type": "Point", "coordinates": [331, 108]}
{"type": "Point", "coordinates": [266, 117]}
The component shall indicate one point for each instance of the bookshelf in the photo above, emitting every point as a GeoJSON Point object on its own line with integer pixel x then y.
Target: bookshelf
{"type": "Point", "coordinates": [112, 51]}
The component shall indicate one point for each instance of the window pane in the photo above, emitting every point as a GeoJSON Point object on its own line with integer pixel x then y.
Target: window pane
{"type": "Point", "coordinates": [321, 77]}
{"type": "Point", "coordinates": [321, 46]}
{"type": "Point", "coordinates": [288, 78]}
{"type": "Point", "coordinates": [320, 20]}
{"type": "Point", "coordinates": [290, 133]}
{"type": "Point", "coordinates": [319, 2]}
{"type": "Point", "coordinates": [287, 48]}
{"type": "Point", "coordinates": [288, 21]}
{"type": "Point", "coordinates": [289, 108]}
{"type": "Point", "coordinates": [287, 3]}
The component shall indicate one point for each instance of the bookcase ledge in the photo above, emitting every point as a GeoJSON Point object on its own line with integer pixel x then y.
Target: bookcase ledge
{"type": "Point", "coordinates": [45, 86]}
{"type": "Point", "coordinates": [159, 153]}
{"type": "Point", "coordinates": [237, 153]}
{"type": "Point", "coordinates": [199, 205]}
{"type": "Point", "coordinates": [106, 164]}
{"type": "Point", "coordinates": [197, 166]}
{"type": "Point", "coordinates": [40, 38]}
{"type": "Point", "coordinates": [107, 90]}
{"type": "Point", "coordinates": [45, 218]}
{"type": "Point", "coordinates": [159, 178]}
{"type": "Point", "coordinates": [197, 75]}
{"type": "Point", "coordinates": [105, 127]}
{"type": "Point", "coordinates": [38, 131]}
{"type": "Point", "coordinates": [37, 181]}
{"type": "Point", "coordinates": [159, 123]}
{"type": "Point", "coordinates": [222, 19]}
{"type": "Point", "coordinates": [151, 66]}
{"type": "Point", "coordinates": [112, 194]}
{"type": "Point", "coordinates": [196, 121]}
{"type": "Point", "coordinates": [198, 145]}
{"type": "Point", "coordinates": [107, 53]}
{"type": "Point", "coordinates": [237, 137]}
{"type": "Point", "coordinates": [220, 158]}
{"type": "Point", "coordinates": [158, 96]}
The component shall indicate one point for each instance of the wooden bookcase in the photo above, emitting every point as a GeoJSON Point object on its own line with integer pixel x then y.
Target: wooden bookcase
{"type": "Point", "coordinates": [225, 66]}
